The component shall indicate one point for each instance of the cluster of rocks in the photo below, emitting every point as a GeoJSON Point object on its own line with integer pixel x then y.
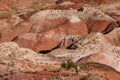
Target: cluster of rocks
{"type": "Point", "coordinates": [64, 29]}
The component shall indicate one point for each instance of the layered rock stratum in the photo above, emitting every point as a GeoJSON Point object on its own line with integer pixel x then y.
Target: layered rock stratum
{"type": "Point", "coordinates": [36, 36]}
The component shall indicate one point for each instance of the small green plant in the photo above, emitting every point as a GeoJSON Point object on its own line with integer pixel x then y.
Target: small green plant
{"type": "Point", "coordinates": [81, 9]}
{"type": "Point", "coordinates": [68, 64]}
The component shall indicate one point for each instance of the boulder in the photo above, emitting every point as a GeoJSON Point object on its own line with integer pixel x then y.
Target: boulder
{"type": "Point", "coordinates": [64, 6]}
{"type": "Point", "coordinates": [9, 32]}
{"type": "Point", "coordinates": [46, 20]}
{"type": "Point", "coordinates": [94, 1]}
{"type": "Point", "coordinates": [16, 4]}
{"type": "Point", "coordinates": [49, 40]}
{"type": "Point", "coordinates": [27, 40]}
{"type": "Point", "coordinates": [101, 58]}
{"type": "Point", "coordinates": [51, 28]}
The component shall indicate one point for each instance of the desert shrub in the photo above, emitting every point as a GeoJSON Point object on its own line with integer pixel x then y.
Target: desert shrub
{"type": "Point", "coordinates": [81, 9]}
{"type": "Point", "coordinates": [68, 64]}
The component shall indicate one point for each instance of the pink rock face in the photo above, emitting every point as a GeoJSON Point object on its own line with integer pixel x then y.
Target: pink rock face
{"type": "Point", "coordinates": [51, 27]}
{"type": "Point", "coordinates": [98, 26]}
{"type": "Point", "coordinates": [9, 33]}
{"type": "Point", "coordinates": [48, 40]}
{"type": "Point", "coordinates": [100, 58]}
{"type": "Point", "coordinates": [50, 19]}
{"type": "Point", "coordinates": [114, 37]}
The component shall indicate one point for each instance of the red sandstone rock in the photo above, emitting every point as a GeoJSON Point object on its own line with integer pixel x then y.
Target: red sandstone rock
{"type": "Point", "coordinates": [47, 30]}
{"type": "Point", "coordinates": [27, 40]}
{"type": "Point", "coordinates": [46, 20]}
{"type": "Point", "coordinates": [51, 28]}
{"type": "Point", "coordinates": [100, 58]}
{"type": "Point", "coordinates": [98, 26]}
{"type": "Point", "coordinates": [13, 4]}
{"type": "Point", "coordinates": [11, 32]}
{"type": "Point", "coordinates": [50, 39]}
{"type": "Point", "coordinates": [58, 33]}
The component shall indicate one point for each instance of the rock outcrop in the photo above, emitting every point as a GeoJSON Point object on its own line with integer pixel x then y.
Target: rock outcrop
{"type": "Point", "coordinates": [15, 59]}
{"type": "Point", "coordinates": [102, 58]}
{"type": "Point", "coordinates": [94, 47]}
{"type": "Point", "coordinates": [47, 32]}
{"type": "Point", "coordinates": [50, 28]}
